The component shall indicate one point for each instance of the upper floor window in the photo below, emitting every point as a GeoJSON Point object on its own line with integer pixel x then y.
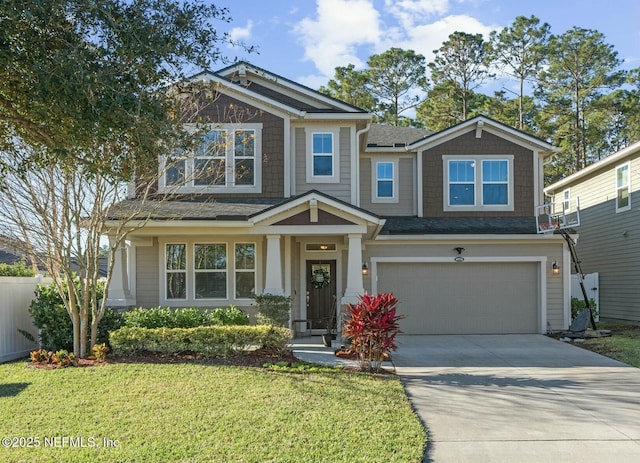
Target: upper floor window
{"type": "Point", "coordinates": [623, 187]}
{"type": "Point", "coordinates": [566, 200]}
{"type": "Point", "coordinates": [322, 156]}
{"type": "Point", "coordinates": [384, 181]}
{"type": "Point", "coordinates": [228, 159]}
{"type": "Point", "coordinates": [480, 183]}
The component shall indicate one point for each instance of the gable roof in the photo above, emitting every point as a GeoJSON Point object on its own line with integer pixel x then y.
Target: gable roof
{"type": "Point", "coordinates": [599, 165]}
{"type": "Point", "coordinates": [242, 78]}
{"type": "Point", "coordinates": [480, 123]}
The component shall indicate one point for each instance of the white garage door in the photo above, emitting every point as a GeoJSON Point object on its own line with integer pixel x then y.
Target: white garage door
{"type": "Point", "coordinates": [464, 298]}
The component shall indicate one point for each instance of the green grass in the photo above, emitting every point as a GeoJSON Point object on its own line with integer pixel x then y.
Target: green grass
{"type": "Point", "coordinates": [205, 413]}
{"type": "Point", "coordinates": [623, 345]}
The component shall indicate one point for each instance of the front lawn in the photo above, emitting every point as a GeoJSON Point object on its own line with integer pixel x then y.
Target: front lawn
{"type": "Point", "coordinates": [623, 345]}
{"type": "Point", "coordinates": [192, 412]}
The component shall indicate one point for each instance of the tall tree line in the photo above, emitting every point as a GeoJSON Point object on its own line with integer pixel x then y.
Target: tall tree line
{"type": "Point", "coordinates": [567, 88]}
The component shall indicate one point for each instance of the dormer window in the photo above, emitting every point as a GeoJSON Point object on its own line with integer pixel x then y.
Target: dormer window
{"type": "Point", "coordinates": [227, 160]}
{"type": "Point", "coordinates": [478, 183]}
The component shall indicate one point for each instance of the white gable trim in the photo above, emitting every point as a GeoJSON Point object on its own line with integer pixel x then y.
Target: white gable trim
{"type": "Point", "coordinates": [276, 82]}
{"type": "Point", "coordinates": [249, 97]}
{"type": "Point", "coordinates": [483, 124]}
{"type": "Point", "coordinates": [335, 207]}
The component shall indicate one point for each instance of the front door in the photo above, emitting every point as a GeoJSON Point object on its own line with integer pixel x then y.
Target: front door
{"type": "Point", "coordinates": [321, 293]}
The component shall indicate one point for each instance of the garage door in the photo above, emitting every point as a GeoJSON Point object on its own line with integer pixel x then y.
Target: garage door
{"type": "Point", "coordinates": [464, 298]}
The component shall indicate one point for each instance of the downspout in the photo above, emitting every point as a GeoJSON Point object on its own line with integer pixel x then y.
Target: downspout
{"type": "Point", "coordinates": [357, 166]}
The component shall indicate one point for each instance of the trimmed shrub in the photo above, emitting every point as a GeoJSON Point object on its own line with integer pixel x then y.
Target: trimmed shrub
{"type": "Point", "coordinates": [229, 316]}
{"type": "Point", "coordinates": [19, 269]}
{"type": "Point", "coordinates": [273, 310]}
{"type": "Point", "coordinates": [205, 340]}
{"type": "Point", "coordinates": [52, 319]}
{"type": "Point", "coordinates": [165, 317]}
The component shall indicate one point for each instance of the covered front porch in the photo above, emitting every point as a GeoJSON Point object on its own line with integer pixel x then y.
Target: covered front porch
{"type": "Point", "coordinates": [286, 249]}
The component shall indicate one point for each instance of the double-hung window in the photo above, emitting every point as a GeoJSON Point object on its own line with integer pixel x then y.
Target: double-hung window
{"type": "Point", "coordinates": [623, 187]}
{"type": "Point", "coordinates": [478, 183]}
{"type": "Point", "coordinates": [495, 182]}
{"type": "Point", "coordinates": [228, 159]}
{"type": "Point", "coordinates": [384, 181]}
{"type": "Point", "coordinates": [322, 152]}
{"type": "Point", "coordinates": [176, 271]}
{"type": "Point", "coordinates": [209, 164]}
{"type": "Point", "coordinates": [462, 178]}
{"type": "Point", "coordinates": [245, 270]}
{"type": "Point", "coordinates": [210, 268]}
{"type": "Point", "coordinates": [322, 155]}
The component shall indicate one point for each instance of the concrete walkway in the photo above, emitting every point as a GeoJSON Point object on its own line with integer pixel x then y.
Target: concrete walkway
{"type": "Point", "coordinates": [520, 399]}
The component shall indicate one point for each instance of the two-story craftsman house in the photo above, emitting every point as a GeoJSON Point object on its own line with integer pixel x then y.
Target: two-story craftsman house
{"type": "Point", "coordinates": [313, 190]}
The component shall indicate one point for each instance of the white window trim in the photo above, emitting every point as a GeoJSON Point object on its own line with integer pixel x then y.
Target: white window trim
{"type": "Point", "coordinates": [627, 186]}
{"type": "Point", "coordinates": [165, 271]}
{"type": "Point", "coordinates": [374, 181]}
{"type": "Point", "coordinates": [335, 132]}
{"type": "Point", "coordinates": [195, 271]}
{"type": "Point", "coordinates": [477, 206]}
{"type": "Point", "coordinates": [229, 186]}
{"type": "Point", "coordinates": [566, 200]}
{"type": "Point", "coordinates": [190, 299]}
{"type": "Point", "coordinates": [236, 270]}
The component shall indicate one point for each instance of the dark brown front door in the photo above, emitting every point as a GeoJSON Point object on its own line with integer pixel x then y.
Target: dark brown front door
{"type": "Point", "coordinates": [321, 296]}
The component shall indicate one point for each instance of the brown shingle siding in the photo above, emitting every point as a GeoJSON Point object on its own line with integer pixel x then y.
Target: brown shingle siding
{"type": "Point", "coordinates": [468, 144]}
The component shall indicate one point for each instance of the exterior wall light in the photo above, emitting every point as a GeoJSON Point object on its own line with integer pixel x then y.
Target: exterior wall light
{"type": "Point", "coordinates": [555, 268]}
{"type": "Point", "coordinates": [365, 269]}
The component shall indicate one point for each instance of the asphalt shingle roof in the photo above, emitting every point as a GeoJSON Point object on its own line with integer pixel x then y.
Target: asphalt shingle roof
{"type": "Point", "coordinates": [380, 135]}
{"type": "Point", "coordinates": [459, 225]}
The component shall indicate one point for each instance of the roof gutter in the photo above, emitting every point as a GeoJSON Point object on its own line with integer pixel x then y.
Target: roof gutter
{"type": "Point", "coordinates": [357, 161]}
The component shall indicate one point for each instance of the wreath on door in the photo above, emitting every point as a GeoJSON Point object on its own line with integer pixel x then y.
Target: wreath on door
{"type": "Point", "coordinates": [320, 278]}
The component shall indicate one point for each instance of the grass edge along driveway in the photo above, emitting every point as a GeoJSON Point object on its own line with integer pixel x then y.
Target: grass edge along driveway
{"type": "Point", "coordinates": [203, 413]}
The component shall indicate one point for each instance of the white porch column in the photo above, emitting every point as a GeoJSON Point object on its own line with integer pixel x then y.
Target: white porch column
{"type": "Point", "coordinates": [355, 285]}
{"type": "Point", "coordinates": [119, 292]}
{"type": "Point", "coordinates": [273, 279]}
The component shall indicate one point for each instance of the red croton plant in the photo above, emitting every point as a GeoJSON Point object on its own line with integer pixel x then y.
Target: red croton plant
{"type": "Point", "coordinates": [372, 325]}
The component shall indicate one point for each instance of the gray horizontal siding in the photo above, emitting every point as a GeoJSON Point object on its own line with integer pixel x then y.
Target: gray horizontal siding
{"type": "Point", "coordinates": [341, 190]}
{"type": "Point", "coordinates": [406, 189]}
{"type": "Point", "coordinates": [147, 276]}
{"type": "Point", "coordinates": [609, 241]}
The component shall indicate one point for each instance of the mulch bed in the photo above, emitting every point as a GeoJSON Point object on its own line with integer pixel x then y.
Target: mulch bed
{"type": "Point", "coordinates": [256, 358]}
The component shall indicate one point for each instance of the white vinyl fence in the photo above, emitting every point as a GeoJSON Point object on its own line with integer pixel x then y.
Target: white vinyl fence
{"type": "Point", "coordinates": [16, 294]}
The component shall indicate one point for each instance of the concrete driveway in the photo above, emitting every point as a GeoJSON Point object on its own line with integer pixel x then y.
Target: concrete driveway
{"type": "Point", "coordinates": [520, 399]}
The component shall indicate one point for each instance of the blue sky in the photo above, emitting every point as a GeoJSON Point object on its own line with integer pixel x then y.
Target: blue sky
{"type": "Point", "coordinates": [304, 40]}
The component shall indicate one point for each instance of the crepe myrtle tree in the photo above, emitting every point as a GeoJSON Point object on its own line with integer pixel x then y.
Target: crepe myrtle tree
{"type": "Point", "coordinates": [57, 211]}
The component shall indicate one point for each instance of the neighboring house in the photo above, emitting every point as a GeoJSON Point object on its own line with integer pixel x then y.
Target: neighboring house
{"type": "Point", "coordinates": [443, 220]}
{"type": "Point", "coordinates": [609, 232]}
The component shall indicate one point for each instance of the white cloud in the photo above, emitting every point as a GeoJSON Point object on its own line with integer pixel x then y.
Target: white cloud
{"type": "Point", "coordinates": [426, 37]}
{"type": "Point", "coordinates": [339, 27]}
{"type": "Point", "coordinates": [411, 12]}
{"type": "Point", "coordinates": [343, 32]}
{"type": "Point", "coordinates": [241, 33]}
